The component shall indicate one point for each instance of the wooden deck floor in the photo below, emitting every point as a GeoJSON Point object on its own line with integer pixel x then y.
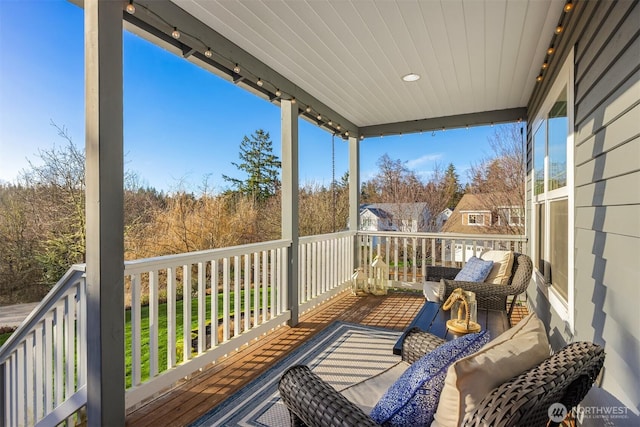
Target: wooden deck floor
{"type": "Point", "coordinates": [190, 400]}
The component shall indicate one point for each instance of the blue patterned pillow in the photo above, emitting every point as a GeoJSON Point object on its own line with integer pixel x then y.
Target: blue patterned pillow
{"type": "Point", "coordinates": [475, 270]}
{"type": "Point", "coordinates": [413, 398]}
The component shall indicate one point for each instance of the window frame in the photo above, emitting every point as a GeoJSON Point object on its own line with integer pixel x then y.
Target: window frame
{"type": "Point", "coordinates": [475, 216]}
{"type": "Point", "coordinates": [563, 307]}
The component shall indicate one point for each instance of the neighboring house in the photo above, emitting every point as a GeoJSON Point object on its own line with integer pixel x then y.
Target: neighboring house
{"type": "Point", "coordinates": [483, 214]}
{"type": "Point", "coordinates": [375, 219]}
{"type": "Point", "coordinates": [403, 217]}
{"type": "Point", "coordinates": [442, 218]}
{"type": "Point", "coordinates": [486, 214]}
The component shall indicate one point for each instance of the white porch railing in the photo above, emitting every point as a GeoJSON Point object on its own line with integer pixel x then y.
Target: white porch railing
{"type": "Point", "coordinates": [189, 310]}
{"type": "Point", "coordinates": [245, 284]}
{"type": "Point", "coordinates": [408, 255]}
{"type": "Point", "coordinates": [325, 266]}
{"type": "Point", "coordinates": [43, 370]}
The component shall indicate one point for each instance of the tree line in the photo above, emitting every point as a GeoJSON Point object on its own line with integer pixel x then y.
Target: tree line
{"type": "Point", "coordinates": [42, 214]}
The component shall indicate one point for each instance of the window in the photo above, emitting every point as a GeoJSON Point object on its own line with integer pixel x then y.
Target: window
{"type": "Point", "coordinates": [552, 233]}
{"type": "Point", "coordinates": [476, 219]}
{"type": "Point", "coordinates": [511, 216]}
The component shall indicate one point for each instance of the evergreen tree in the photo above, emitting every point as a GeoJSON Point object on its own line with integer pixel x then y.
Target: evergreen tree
{"type": "Point", "coordinates": [452, 188]}
{"type": "Point", "coordinates": [261, 166]}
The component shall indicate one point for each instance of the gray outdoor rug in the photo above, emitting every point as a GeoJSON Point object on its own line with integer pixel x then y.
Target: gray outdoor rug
{"type": "Point", "coordinates": [342, 354]}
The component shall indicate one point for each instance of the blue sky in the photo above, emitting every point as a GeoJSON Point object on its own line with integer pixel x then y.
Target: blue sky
{"type": "Point", "coordinates": [182, 125]}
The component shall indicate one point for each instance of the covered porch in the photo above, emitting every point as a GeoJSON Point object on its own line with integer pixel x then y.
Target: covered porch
{"type": "Point", "coordinates": [497, 69]}
{"type": "Point", "coordinates": [190, 400]}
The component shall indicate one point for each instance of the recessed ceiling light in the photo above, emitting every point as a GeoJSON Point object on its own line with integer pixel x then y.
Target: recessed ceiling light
{"type": "Point", "coordinates": [411, 77]}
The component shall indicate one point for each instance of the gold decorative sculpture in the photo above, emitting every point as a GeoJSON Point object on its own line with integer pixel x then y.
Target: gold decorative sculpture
{"type": "Point", "coordinates": [461, 322]}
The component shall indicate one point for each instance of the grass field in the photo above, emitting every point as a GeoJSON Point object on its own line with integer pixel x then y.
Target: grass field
{"type": "Point", "coordinates": [162, 332]}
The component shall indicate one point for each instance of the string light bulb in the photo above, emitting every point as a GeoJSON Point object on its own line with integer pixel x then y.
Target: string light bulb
{"type": "Point", "coordinates": [338, 127]}
{"type": "Point", "coordinates": [330, 123]}
{"type": "Point", "coordinates": [278, 93]}
{"type": "Point", "coordinates": [545, 65]}
{"type": "Point", "coordinates": [208, 53]}
{"type": "Point", "coordinates": [568, 7]}
{"type": "Point", "coordinates": [346, 133]}
{"type": "Point", "coordinates": [319, 117]}
{"type": "Point", "coordinates": [550, 50]}
{"type": "Point", "coordinates": [559, 29]}
{"type": "Point", "coordinates": [236, 69]}
{"type": "Point", "coordinates": [361, 137]}
{"type": "Point", "coordinates": [539, 78]}
{"type": "Point", "coordinates": [260, 82]}
{"type": "Point", "coordinates": [293, 100]}
{"type": "Point", "coordinates": [131, 9]}
{"type": "Point", "coordinates": [175, 34]}
{"type": "Point", "coordinates": [308, 109]}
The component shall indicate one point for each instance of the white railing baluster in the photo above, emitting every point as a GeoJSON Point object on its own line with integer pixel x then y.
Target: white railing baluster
{"type": "Point", "coordinates": [48, 362]}
{"type": "Point", "coordinates": [20, 379]}
{"type": "Point", "coordinates": [285, 274]}
{"type": "Point", "coordinates": [214, 303]}
{"type": "Point", "coordinates": [28, 376]}
{"type": "Point", "coordinates": [256, 289]}
{"type": "Point", "coordinates": [70, 345]}
{"type": "Point", "coordinates": [171, 317]}
{"type": "Point", "coordinates": [247, 292]}
{"type": "Point", "coordinates": [225, 299]}
{"type": "Point", "coordinates": [186, 312]}
{"type": "Point", "coordinates": [313, 281]}
{"type": "Point", "coordinates": [59, 355]}
{"type": "Point", "coordinates": [38, 375]}
{"type": "Point", "coordinates": [405, 249]}
{"type": "Point", "coordinates": [136, 331]}
{"type": "Point", "coordinates": [153, 324]}
{"type": "Point", "coordinates": [302, 273]}
{"type": "Point", "coordinates": [265, 286]}
{"type": "Point", "coordinates": [274, 283]}
{"type": "Point", "coordinates": [309, 266]}
{"type": "Point", "coordinates": [82, 333]}
{"type": "Point", "coordinates": [202, 307]}
{"type": "Point", "coordinates": [237, 311]}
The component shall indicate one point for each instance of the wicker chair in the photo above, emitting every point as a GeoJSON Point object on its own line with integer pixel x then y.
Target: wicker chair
{"type": "Point", "coordinates": [488, 295]}
{"type": "Point", "coordinates": [564, 377]}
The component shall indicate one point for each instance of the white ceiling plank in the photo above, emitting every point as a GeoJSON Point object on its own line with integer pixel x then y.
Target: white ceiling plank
{"type": "Point", "coordinates": [472, 56]}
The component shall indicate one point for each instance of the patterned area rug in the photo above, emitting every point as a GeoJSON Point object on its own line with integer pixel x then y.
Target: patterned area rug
{"type": "Point", "coordinates": [342, 354]}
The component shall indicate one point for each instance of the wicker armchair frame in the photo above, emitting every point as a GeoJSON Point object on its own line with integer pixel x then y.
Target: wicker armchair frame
{"type": "Point", "coordinates": [488, 295]}
{"type": "Point", "coordinates": [564, 377]}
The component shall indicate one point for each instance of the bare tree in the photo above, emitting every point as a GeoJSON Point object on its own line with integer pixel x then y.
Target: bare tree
{"type": "Point", "coordinates": [501, 178]}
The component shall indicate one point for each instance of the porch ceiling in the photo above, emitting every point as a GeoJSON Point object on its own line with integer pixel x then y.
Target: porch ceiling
{"type": "Point", "coordinates": [473, 56]}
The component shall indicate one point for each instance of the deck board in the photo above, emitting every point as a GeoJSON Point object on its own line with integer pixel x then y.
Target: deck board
{"type": "Point", "coordinates": [192, 398]}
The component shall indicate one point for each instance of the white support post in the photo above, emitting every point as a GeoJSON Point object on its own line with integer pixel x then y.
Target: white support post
{"type": "Point", "coordinates": [289, 124]}
{"type": "Point", "coordinates": [354, 193]}
{"type": "Point", "coordinates": [105, 213]}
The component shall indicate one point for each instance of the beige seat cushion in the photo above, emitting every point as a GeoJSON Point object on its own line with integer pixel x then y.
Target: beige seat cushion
{"type": "Point", "coordinates": [502, 265]}
{"type": "Point", "coordinates": [366, 394]}
{"type": "Point", "coordinates": [471, 379]}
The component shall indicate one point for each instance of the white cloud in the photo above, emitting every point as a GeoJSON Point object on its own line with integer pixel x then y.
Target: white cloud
{"type": "Point", "coordinates": [414, 163]}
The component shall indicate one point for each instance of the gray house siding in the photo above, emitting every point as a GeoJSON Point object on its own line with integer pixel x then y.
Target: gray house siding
{"type": "Point", "coordinates": [606, 42]}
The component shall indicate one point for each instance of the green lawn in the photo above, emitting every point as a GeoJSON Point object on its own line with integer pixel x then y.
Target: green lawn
{"type": "Point", "coordinates": [162, 331]}
{"type": "Point", "coordinates": [4, 337]}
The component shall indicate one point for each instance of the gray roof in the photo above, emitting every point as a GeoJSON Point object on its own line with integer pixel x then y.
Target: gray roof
{"type": "Point", "coordinates": [412, 211]}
